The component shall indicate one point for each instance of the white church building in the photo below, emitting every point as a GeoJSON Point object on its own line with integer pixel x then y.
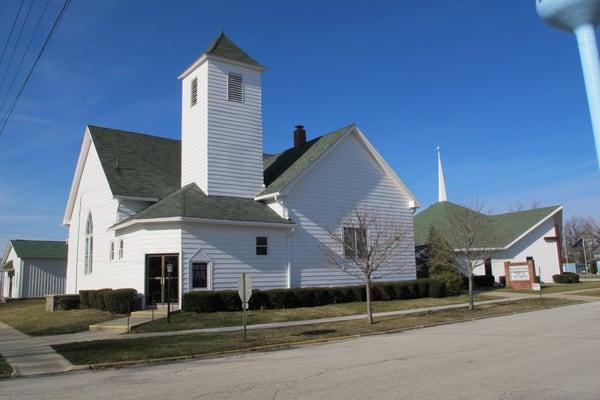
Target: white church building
{"type": "Point", "coordinates": [519, 236]}
{"type": "Point", "coordinates": [213, 205]}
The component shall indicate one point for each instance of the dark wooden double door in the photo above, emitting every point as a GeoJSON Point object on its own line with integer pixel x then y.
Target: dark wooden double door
{"type": "Point", "coordinates": [157, 278]}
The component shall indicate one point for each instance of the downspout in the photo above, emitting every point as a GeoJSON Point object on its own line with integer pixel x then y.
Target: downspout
{"type": "Point", "coordinates": [289, 257]}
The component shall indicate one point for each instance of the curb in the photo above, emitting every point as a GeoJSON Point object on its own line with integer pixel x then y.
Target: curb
{"type": "Point", "coordinates": [281, 346]}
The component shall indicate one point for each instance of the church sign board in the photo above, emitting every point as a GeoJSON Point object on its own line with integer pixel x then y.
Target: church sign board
{"type": "Point", "coordinates": [519, 275]}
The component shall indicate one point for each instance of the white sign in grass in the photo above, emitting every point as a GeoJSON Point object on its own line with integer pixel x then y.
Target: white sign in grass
{"type": "Point", "coordinates": [519, 273]}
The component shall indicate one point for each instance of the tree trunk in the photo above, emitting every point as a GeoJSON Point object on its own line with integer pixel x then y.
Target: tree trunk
{"type": "Point", "coordinates": [368, 293]}
{"type": "Point", "coordinates": [471, 303]}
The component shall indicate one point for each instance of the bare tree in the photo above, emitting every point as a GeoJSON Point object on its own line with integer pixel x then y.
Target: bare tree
{"type": "Point", "coordinates": [368, 244]}
{"type": "Point", "coordinates": [585, 228]}
{"type": "Point", "coordinates": [470, 234]}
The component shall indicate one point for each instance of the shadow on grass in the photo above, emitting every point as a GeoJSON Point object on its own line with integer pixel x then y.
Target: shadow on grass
{"type": "Point", "coordinates": [316, 332]}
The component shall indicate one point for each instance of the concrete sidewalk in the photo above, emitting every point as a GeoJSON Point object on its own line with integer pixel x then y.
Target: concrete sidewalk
{"type": "Point", "coordinates": [29, 357]}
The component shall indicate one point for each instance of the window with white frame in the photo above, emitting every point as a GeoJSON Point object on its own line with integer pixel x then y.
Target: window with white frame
{"type": "Point", "coordinates": [262, 246]}
{"type": "Point", "coordinates": [121, 248]}
{"type": "Point", "coordinates": [89, 246]}
{"type": "Point", "coordinates": [355, 242]}
{"type": "Point", "coordinates": [235, 87]}
{"type": "Point", "coordinates": [199, 275]}
{"type": "Point", "coordinates": [112, 250]}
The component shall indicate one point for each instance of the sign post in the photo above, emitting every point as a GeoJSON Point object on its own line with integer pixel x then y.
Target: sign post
{"type": "Point", "coordinates": [245, 292]}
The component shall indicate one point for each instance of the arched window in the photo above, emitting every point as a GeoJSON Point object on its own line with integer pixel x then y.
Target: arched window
{"type": "Point", "coordinates": [89, 245]}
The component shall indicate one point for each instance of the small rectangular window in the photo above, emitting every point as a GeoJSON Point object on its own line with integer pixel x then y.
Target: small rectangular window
{"type": "Point", "coordinates": [355, 243]}
{"type": "Point", "coordinates": [199, 275]}
{"type": "Point", "coordinates": [194, 92]}
{"type": "Point", "coordinates": [235, 87]}
{"type": "Point", "coordinates": [121, 248]}
{"type": "Point", "coordinates": [112, 251]}
{"type": "Point", "coordinates": [262, 246]}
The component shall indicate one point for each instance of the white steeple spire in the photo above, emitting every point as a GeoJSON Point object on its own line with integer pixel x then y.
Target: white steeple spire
{"type": "Point", "coordinates": [441, 180]}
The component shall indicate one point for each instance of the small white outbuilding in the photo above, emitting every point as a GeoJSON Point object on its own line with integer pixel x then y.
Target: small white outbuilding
{"type": "Point", "coordinates": [33, 268]}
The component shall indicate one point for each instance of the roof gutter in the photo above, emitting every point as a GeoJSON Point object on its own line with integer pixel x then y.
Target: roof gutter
{"type": "Point", "coordinates": [207, 221]}
{"type": "Point", "coordinates": [267, 196]}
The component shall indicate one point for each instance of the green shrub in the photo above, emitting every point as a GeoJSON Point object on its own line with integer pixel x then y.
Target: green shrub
{"type": "Point", "coordinates": [312, 297]}
{"type": "Point", "coordinates": [259, 300]}
{"type": "Point", "coordinates": [483, 281]}
{"type": "Point", "coordinates": [502, 281]}
{"type": "Point", "coordinates": [84, 298]}
{"type": "Point", "coordinates": [203, 302]}
{"type": "Point", "coordinates": [231, 300]}
{"type": "Point", "coordinates": [594, 269]}
{"type": "Point", "coordinates": [452, 280]}
{"type": "Point", "coordinates": [100, 303]}
{"type": "Point", "coordinates": [566, 277]}
{"type": "Point", "coordinates": [120, 301]}
{"type": "Point", "coordinates": [66, 301]}
{"type": "Point", "coordinates": [93, 298]}
{"type": "Point", "coordinates": [283, 298]}
{"type": "Point", "coordinates": [437, 288]}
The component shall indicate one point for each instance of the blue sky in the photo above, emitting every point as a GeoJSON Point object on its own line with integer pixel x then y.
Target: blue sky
{"type": "Point", "coordinates": [499, 91]}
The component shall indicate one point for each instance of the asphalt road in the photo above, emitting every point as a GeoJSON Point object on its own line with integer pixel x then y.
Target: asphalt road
{"type": "Point", "coordinates": [553, 354]}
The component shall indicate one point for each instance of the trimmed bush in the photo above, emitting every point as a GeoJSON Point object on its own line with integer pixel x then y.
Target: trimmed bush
{"type": "Point", "coordinates": [283, 298]}
{"type": "Point", "coordinates": [437, 289]}
{"type": "Point", "coordinates": [231, 300]}
{"type": "Point", "coordinates": [566, 277]}
{"type": "Point", "coordinates": [483, 281]}
{"type": "Point", "coordinates": [93, 297]}
{"type": "Point", "coordinates": [594, 269]}
{"type": "Point", "coordinates": [84, 298]}
{"type": "Point", "coordinates": [502, 281]}
{"type": "Point", "coordinates": [312, 297]}
{"type": "Point", "coordinates": [120, 301]}
{"type": "Point", "coordinates": [99, 298]}
{"type": "Point", "coordinates": [259, 300]}
{"type": "Point", "coordinates": [66, 301]}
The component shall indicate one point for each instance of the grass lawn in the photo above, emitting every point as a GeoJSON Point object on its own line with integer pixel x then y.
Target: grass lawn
{"type": "Point", "coordinates": [187, 320]}
{"type": "Point", "coordinates": [5, 369]}
{"type": "Point", "coordinates": [558, 287]}
{"type": "Point", "coordinates": [198, 344]}
{"type": "Point", "coordinates": [31, 317]}
{"type": "Point", "coordinates": [595, 293]}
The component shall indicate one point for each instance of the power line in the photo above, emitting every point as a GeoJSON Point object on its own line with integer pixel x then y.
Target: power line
{"type": "Point", "coordinates": [50, 34]}
{"type": "Point", "coordinates": [11, 31]}
{"type": "Point", "coordinates": [37, 26]}
{"type": "Point", "coordinates": [12, 54]}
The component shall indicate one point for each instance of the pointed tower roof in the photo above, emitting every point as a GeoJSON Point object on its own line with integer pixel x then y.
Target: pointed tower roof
{"type": "Point", "coordinates": [441, 181]}
{"type": "Point", "coordinates": [223, 47]}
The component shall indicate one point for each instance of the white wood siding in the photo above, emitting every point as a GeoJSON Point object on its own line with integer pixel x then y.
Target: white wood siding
{"type": "Point", "coordinates": [347, 177]}
{"type": "Point", "coordinates": [42, 276]}
{"type": "Point", "coordinates": [231, 251]}
{"type": "Point", "coordinates": [222, 139]}
{"type": "Point", "coordinates": [235, 147]}
{"type": "Point", "coordinates": [194, 130]}
{"type": "Point", "coordinates": [139, 241]}
{"type": "Point", "coordinates": [544, 253]}
{"type": "Point", "coordinates": [12, 256]}
{"type": "Point", "coordinates": [93, 197]}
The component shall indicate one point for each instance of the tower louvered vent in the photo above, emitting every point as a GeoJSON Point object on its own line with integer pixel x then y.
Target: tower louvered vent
{"type": "Point", "coordinates": [194, 92]}
{"type": "Point", "coordinates": [235, 87]}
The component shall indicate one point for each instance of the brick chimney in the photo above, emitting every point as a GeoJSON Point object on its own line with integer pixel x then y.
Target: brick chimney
{"type": "Point", "coordinates": [299, 136]}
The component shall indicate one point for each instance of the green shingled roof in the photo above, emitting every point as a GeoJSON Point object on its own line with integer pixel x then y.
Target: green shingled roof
{"type": "Point", "coordinates": [505, 227]}
{"type": "Point", "coordinates": [39, 248]}
{"type": "Point", "coordinates": [223, 47]}
{"type": "Point", "coordinates": [280, 169]}
{"type": "Point", "coordinates": [136, 164]}
{"type": "Point", "coordinates": [191, 202]}
{"type": "Point", "coordinates": [140, 165]}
